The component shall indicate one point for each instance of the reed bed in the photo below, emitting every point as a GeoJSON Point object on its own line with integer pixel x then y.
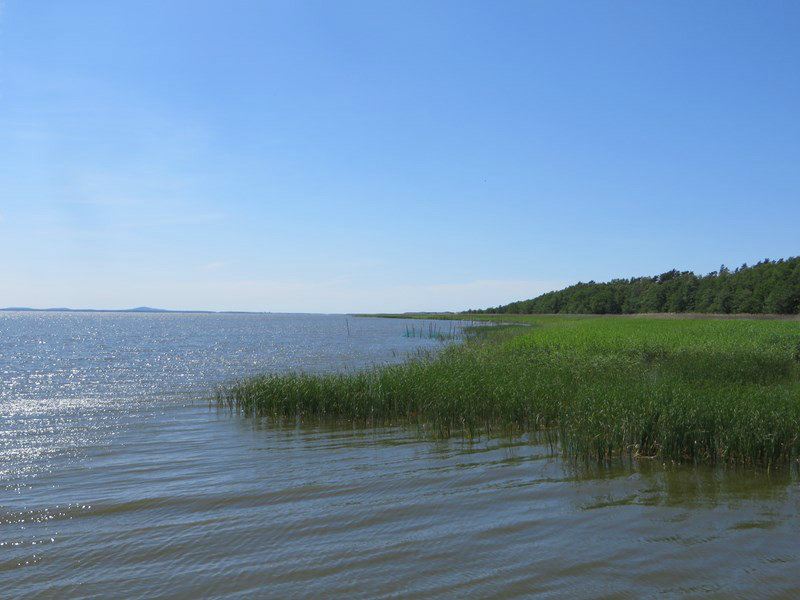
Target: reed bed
{"type": "Point", "coordinates": [672, 390]}
{"type": "Point", "coordinates": [433, 332]}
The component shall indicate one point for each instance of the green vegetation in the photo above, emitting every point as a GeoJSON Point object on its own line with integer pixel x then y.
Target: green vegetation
{"type": "Point", "coordinates": [771, 287]}
{"type": "Point", "coordinates": [433, 332]}
{"type": "Point", "coordinates": [680, 390]}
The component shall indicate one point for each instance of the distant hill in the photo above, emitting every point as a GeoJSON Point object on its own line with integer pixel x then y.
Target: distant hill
{"type": "Point", "coordinates": [770, 287]}
{"type": "Point", "coordinates": [138, 309]}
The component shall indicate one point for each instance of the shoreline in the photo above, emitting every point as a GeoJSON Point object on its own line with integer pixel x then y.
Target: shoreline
{"type": "Point", "coordinates": [676, 390]}
{"type": "Point", "coordinates": [668, 316]}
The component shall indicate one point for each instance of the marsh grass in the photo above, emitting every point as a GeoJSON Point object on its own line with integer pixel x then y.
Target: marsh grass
{"type": "Point", "coordinates": [700, 391]}
{"type": "Point", "coordinates": [433, 332]}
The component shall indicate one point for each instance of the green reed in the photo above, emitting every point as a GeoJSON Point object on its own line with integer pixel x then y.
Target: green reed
{"type": "Point", "coordinates": [432, 332]}
{"type": "Point", "coordinates": [694, 390]}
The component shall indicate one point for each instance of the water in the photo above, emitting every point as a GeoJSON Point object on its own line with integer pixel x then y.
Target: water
{"type": "Point", "coordinates": [116, 481]}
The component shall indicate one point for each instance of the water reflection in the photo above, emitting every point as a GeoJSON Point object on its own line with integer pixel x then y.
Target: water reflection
{"type": "Point", "coordinates": [127, 492]}
{"type": "Point", "coordinates": [340, 512]}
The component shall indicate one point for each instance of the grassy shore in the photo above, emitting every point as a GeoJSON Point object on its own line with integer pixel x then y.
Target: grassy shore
{"type": "Point", "coordinates": [674, 390]}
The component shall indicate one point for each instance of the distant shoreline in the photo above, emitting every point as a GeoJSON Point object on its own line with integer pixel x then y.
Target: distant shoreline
{"type": "Point", "coordinates": [139, 310]}
{"type": "Point", "coordinates": [515, 316]}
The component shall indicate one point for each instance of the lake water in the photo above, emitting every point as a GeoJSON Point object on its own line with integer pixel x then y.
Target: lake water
{"type": "Point", "coordinates": [119, 479]}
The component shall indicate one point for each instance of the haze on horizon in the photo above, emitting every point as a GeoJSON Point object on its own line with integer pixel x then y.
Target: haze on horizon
{"type": "Point", "coordinates": [363, 157]}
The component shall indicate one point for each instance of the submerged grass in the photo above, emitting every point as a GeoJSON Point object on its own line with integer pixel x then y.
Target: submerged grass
{"type": "Point", "coordinates": [696, 390]}
{"type": "Point", "coordinates": [433, 332]}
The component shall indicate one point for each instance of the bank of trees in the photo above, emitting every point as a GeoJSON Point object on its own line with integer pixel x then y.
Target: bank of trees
{"type": "Point", "coordinates": [771, 287]}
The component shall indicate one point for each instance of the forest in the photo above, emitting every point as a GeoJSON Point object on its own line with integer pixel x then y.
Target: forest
{"type": "Point", "coordinates": [768, 287]}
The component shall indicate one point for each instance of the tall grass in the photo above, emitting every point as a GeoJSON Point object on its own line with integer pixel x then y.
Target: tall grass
{"type": "Point", "coordinates": [702, 391]}
{"type": "Point", "coordinates": [432, 332]}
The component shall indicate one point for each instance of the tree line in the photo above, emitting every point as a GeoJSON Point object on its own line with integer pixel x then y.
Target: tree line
{"type": "Point", "coordinates": [769, 287]}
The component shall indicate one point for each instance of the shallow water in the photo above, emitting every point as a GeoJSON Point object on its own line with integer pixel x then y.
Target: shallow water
{"type": "Point", "coordinates": [114, 482]}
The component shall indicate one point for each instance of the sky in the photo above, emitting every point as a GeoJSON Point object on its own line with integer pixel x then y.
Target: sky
{"type": "Point", "coordinates": [388, 156]}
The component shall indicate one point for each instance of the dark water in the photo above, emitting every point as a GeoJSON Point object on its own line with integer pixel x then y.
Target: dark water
{"type": "Point", "coordinates": [115, 483]}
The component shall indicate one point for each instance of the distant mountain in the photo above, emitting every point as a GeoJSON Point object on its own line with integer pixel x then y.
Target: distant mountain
{"type": "Point", "coordinates": [62, 309]}
{"type": "Point", "coordinates": [138, 309]}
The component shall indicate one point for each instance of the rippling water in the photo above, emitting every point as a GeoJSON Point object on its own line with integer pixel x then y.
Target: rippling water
{"type": "Point", "coordinates": [116, 482]}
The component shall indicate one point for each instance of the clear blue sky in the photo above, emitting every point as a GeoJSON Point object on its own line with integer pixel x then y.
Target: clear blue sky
{"type": "Point", "coordinates": [365, 156]}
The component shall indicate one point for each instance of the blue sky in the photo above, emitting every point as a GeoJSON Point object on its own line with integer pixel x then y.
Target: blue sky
{"type": "Point", "coordinates": [368, 156]}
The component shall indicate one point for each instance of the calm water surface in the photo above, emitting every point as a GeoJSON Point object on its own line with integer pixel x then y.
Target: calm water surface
{"type": "Point", "coordinates": [117, 479]}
